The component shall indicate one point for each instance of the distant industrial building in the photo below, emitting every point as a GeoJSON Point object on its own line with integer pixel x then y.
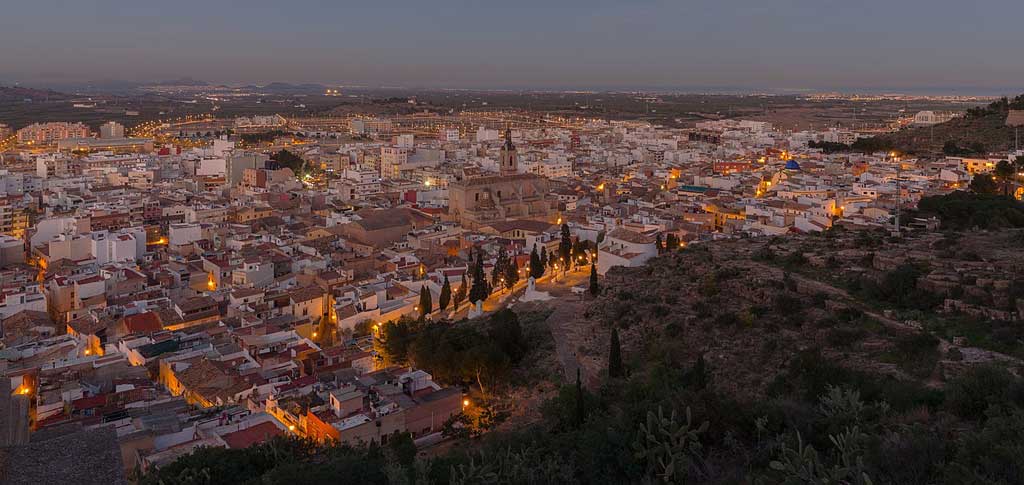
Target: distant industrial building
{"type": "Point", "coordinates": [929, 118]}
{"type": "Point", "coordinates": [116, 145]}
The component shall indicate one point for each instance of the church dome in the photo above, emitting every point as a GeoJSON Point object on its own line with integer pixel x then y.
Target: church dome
{"type": "Point", "coordinates": [792, 165]}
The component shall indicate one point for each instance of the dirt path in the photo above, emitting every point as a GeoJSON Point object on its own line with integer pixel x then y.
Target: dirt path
{"type": "Point", "coordinates": [565, 326]}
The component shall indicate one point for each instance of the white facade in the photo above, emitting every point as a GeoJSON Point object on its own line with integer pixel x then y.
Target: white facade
{"type": "Point", "coordinates": [624, 248]}
{"type": "Point", "coordinates": [211, 166]}
{"type": "Point", "coordinates": [182, 234]}
{"type": "Point", "coordinates": [483, 134]}
{"type": "Point", "coordinates": [111, 129]}
{"type": "Point", "coordinates": [17, 300]}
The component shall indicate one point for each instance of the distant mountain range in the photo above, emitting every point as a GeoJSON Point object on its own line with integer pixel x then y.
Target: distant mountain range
{"type": "Point", "coordinates": [184, 81]}
{"type": "Point", "coordinates": [18, 93]}
{"type": "Point", "coordinates": [286, 88]}
{"type": "Point", "coordinates": [116, 86]}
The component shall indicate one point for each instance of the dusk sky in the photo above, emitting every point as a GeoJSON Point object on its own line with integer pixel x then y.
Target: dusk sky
{"type": "Point", "coordinates": [556, 44]}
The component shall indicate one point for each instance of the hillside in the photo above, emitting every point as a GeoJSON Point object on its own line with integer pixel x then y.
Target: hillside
{"type": "Point", "coordinates": [835, 358]}
{"type": "Point", "coordinates": [18, 94]}
{"type": "Point", "coordinates": [981, 130]}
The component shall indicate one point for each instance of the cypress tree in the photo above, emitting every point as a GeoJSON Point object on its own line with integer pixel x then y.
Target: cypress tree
{"type": "Point", "coordinates": [536, 266]}
{"type": "Point", "coordinates": [671, 242]}
{"type": "Point", "coordinates": [460, 294]}
{"type": "Point", "coordinates": [657, 241]}
{"type": "Point", "coordinates": [426, 302]}
{"type": "Point", "coordinates": [595, 287]}
{"type": "Point", "coordinates": [479, 289]}
{"type": "Point", "coordinates": [499, 267]}
{"type": "Point", "coordinates": [511, 273]}
{"type": "Point", "coordinates": [700, 374]}
{"type": "Point", "coordinates": [446, 294]}
{"type": "Point", "coordinates": [565, 246]}
{"type": "Point", "coordinates": [615, 356]}
{"type": "Point", "coordinates": [581, 410]}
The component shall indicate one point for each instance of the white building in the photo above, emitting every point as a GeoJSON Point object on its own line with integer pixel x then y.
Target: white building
{"type": "Point", "coordinates": [929, 118]}
{"type": "Point", "coordinates": [111, 130]}
{"type": "Point", "coordinates": [17, 183]}
{"type": "Point", "coordinates": [623, 247]}
{"type": "Point", "coordinates": [184, 233]}
{"type": "Point", "coordinates": [14, 300]}
{"type": "Point", "coordinates": [211, 167]}
{"type": "Point", "coordinates": [122, 246]}
{"type": "Point", "coordinates": [483, 134]}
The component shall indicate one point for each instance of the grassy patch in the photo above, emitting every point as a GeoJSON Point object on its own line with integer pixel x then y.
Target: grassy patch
{"type": "Point", "coordinates": [1003, 337]}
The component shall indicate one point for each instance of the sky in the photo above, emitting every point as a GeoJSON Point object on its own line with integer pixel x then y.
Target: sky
{"type": "Point", "coordinates": [769, 45]}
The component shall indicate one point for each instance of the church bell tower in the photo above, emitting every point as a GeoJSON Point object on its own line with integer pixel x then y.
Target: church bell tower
{"type": "Point", "coordinates": [509, 160]}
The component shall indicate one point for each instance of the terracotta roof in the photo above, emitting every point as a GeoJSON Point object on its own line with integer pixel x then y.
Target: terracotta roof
{"type": "Point", "coordinates": [521, 224]}
{"type": "Point", "coordinates": [251, 436]}
{"type": "Point", "coordinates": [373, 220]}
{"type": "Point", "coordinates": [631, 236]}
{"type": "Point", "coordinates": [306, 294]}
{"type": "Point", "coordinates": [87, 325]}
{"type": "Point", "coordinates": [196, 303]}
{"type": "Point", "coordinates": [147, 322]}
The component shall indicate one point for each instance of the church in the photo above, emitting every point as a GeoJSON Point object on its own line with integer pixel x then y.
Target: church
{"type": "Point", "coordinates": [509, 195]}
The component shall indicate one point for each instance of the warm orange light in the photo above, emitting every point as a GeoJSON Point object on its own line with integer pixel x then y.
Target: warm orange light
{"type": "Point", "coordinates": [88, 352]}
{"type": "Point", "coordinates": [465, 402]}
{"type": "Point", "coordinates": [291, 427]}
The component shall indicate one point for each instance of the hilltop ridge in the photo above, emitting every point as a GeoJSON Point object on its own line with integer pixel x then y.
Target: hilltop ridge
{"type": "Point", "coordinates": [979, 131]}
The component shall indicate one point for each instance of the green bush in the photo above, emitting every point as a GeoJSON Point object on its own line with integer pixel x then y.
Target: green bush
{"type": "Point", "coordinates": [971, 394]}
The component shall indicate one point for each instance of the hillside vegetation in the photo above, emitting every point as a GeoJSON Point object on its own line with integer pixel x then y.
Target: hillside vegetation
{"type": "Point", "coordinates": [847, 357]}
{"type": "Point", "coordinates": [981, 130]}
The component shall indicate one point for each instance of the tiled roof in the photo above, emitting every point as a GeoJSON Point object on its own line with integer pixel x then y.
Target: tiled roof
{"type": "Point", "coordinates": [147, 322]}
{"type": "Point", "coordinates": [251, 436]}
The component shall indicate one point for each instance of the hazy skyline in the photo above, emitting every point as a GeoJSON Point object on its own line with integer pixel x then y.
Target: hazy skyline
{"type": "Point", "coordinates": [556, 44]}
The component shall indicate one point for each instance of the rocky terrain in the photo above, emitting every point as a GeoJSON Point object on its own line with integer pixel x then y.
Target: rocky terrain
{"type": "Point", "coordinates": [916, 309]}
{"type": "Point", "coordinates": [984, 129]}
